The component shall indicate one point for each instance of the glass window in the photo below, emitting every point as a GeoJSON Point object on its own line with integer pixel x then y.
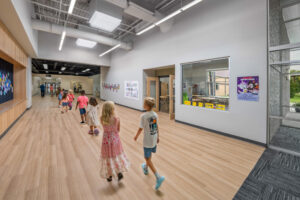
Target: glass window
{"type": "Point", "coordinates": [206, 84]}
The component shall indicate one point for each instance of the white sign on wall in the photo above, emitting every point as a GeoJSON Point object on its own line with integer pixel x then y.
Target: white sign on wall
{"type": "Point", "coordinates": [132, 90]}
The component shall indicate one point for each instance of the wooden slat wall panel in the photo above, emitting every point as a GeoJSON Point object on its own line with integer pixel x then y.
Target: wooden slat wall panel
{"type": "Point", "coordinates": [9, 116]}
{"type": "Point", "coordinates": [11, 51]}
{"type": "Point", "coordinates": [10, 47]}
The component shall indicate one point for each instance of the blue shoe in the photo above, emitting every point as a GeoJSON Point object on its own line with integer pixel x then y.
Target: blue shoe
{"type": "Point", "coordinates": [159, 182]}
{"type": "Point", "coordinates": [145, 170]}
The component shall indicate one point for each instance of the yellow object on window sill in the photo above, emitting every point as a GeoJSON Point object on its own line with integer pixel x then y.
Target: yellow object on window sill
{"type": "Point", "coordinates": [188, 103]}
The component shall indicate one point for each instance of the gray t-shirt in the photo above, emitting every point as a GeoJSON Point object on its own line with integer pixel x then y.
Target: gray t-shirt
{"type": "Point", "coordinates": [149, 124]}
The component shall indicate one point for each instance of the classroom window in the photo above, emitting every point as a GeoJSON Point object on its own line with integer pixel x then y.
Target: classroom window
{"type": "Point", "coordinates": [206, 84]}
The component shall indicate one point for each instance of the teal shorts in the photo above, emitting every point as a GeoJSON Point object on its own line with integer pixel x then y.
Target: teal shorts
{"type": "Point", "coordinates": [149, 151]}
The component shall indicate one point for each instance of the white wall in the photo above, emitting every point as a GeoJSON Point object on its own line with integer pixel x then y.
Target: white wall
{"type": "Point", "coordinates": [24, 10]}
{"type": "Point", "coordinates": [48, 49]}
{"type": "Point", "coordinates": [212, 29]}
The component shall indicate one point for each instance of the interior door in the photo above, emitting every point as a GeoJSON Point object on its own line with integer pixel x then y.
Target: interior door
{"type": "Point", "coordinates": [172, 97]}
{"type": "Point", "coordinates": [153, 90]}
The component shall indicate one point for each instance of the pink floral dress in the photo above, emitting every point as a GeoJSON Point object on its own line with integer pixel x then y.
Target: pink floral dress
{"type": "Point", "coordinates": [113, 159]}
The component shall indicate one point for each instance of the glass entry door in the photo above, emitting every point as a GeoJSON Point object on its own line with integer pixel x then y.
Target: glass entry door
{"type": "Point", "coordinates": [153, 91]}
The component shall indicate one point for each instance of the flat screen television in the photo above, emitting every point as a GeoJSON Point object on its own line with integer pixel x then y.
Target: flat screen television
{"type": "Point", "coordinates": [6, 81]}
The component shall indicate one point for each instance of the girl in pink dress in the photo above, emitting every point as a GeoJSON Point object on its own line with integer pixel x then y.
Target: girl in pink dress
{"type": "Point", "coordinates": [113, 159]}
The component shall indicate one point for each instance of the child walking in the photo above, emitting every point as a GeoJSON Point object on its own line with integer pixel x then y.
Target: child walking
{"type": "Point", "coordinates": [82, 102]}
{"type": "Point", "coordinates": [60, 94]}
{"type": "Point", "coordinates": [71, 99]}
{"type": "Point", "coordinates": [92, 116]}
{"type": "Point", "coordinates": [148, 122]}
{"type": "Point", "coordinates": [113, 159]}
{"type": "Point", "coordinates": [65, 102]}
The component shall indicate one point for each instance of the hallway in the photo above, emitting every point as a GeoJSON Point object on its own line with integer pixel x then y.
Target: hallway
{"type": "Point", "coordinates": [48, 155]}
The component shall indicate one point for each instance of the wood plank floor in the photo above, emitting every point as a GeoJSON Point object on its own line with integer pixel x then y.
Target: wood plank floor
{"type": "Point", "coordinates": [48, 155]}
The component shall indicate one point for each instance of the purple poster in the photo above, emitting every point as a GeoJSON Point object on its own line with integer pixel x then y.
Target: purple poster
{"type": "Point", "coordinates": [248, 88]}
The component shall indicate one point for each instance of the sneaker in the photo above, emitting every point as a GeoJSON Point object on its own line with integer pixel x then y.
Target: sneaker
{"type": "Point", "coordinates": [96, 132]}
{"type": "Point", "coordinates": [120, 176]}
{"type": "Point", "coordinates": [145, 169]}
{"type": "Point", "coordinates": [159, 182]}
{"type": "Point", "coordinates": [109, 179]}
{"type": "Point", "coordinates": [82, 122]}
{"type": "Point", "coordinates": [91, 132]}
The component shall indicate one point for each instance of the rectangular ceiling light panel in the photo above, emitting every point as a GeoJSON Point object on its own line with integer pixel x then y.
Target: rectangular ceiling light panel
{"type": "Point", "coordinates": [85, 43]}
{"type": "Point", "coordinates": [103, 21]}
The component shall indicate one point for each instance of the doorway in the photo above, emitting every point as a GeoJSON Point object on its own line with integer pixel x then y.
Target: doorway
{"type": "Point", "coordinates": [160, 84]}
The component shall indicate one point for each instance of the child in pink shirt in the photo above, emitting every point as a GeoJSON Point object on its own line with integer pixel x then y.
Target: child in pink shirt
{"type": "Point", "coordinates": [82, 102]}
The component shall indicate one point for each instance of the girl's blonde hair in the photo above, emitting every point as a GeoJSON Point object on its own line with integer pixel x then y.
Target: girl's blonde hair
{"type": "Point", "coordinates": [108, 111]}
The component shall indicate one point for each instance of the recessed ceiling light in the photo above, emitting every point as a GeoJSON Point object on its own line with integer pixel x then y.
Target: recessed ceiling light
{"type": "Point", "coordinates": [103, 21]}
{"type": "Point", "coordinates": [45, 66]}
{"type": "Point", "coordinates": [60, 72]}
{"type": "Point", "coordinates": [46, 71]}
{"type": "Point", "coordinates": [76, 73]}
{"type": "Point", "coordinates": [63, 68]}
{"type": "Point", "coordinates": [85, 43]}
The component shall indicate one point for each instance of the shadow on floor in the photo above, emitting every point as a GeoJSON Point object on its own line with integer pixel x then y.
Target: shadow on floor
{"type": "Point", "coordinates": [275, 176]}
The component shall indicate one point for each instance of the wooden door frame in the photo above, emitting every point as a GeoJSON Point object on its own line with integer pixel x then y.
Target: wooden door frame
{"type": "Point", "coordinates": [171, 97]}
{"type": "Point", "coordinates": [156, 79]}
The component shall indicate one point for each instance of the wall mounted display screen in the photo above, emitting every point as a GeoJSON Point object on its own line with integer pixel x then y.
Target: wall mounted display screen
{"type": "Point", "coordinates": [6, 81]}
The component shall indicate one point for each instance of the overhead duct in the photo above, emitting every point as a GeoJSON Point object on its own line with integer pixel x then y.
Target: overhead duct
{"type": "Point", "coordinates": [140, 12]}
{"type": "Point", "coordinates": [75, 33]}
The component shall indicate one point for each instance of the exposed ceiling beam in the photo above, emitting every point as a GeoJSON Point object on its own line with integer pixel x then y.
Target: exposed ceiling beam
{"type": "Point", "coordinates": [76, 33]}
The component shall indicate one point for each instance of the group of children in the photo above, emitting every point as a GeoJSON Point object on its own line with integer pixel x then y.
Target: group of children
{"type": "Point", "coordinates": [114, 161]}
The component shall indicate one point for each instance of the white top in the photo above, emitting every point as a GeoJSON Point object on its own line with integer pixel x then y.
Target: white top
{"type": "Point", "coordinates": [149, 124]}
{"type": "Point", "coordinates": [92, 115]}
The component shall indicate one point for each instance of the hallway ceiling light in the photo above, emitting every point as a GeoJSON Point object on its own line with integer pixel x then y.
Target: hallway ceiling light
{"type": "Point", "coordinates": [146, 29]}
{"type": "Point", "coordinates": [104, 21]}
{"type": "Point", "coordinates": [71, 7]}
{"type": "Point", "coordinates": [63, 69]}
{"type": "Point", "coordinates": [86, 70]}
{"type": "Point", "coordinates": [170, 16]}
{"type": "Point", "coordinates": [47, 72]}
{"type": "Point", "coordinates": [85, 43]}
{"type": "Point", "coordinates": [109, 50]}
{"type": "Point", "coordinates": [60, 72]}
{"type": "Point", "coordinates": [62, 40]}
{"type": "Point", "coordinates": [45, 66]}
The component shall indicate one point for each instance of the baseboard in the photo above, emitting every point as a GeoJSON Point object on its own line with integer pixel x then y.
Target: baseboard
{"type": "Point", "coordinates": [222, 133]}
{"type": "Point", "coordinates": [6, 131]}
{"type": "Point", "coordinates": [125, 106]}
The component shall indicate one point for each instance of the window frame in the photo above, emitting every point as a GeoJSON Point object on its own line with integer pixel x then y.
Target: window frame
{"type": "Point", "coordinates": [229, 82]}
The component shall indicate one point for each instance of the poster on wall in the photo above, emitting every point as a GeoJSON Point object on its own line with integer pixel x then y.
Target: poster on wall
{"type": "Point", "coordinates": [132, 90]}
{"type": "Point", "coordinates": [111, 86]}
{"type": "Point", "coordinates": [248, 88]}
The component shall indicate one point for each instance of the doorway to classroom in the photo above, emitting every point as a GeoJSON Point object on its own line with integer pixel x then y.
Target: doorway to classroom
{"type": "Point", "coordinates": [160, 84]}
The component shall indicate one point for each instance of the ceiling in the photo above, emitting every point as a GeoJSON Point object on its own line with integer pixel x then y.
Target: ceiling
{"type": "Point", "coordinates": [55, 67]}
{"type": "Point", "coordinates": [56, 12]}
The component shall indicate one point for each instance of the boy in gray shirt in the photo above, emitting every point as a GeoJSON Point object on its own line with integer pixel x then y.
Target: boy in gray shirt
{"type": "Point", "coordinates": [151, 138]}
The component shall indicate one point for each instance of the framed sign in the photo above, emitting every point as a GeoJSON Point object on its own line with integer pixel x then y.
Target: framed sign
{"type": "Point", "coordinates": [248, 88]}
{"type": "Point", "coordinates": [131, 90]}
